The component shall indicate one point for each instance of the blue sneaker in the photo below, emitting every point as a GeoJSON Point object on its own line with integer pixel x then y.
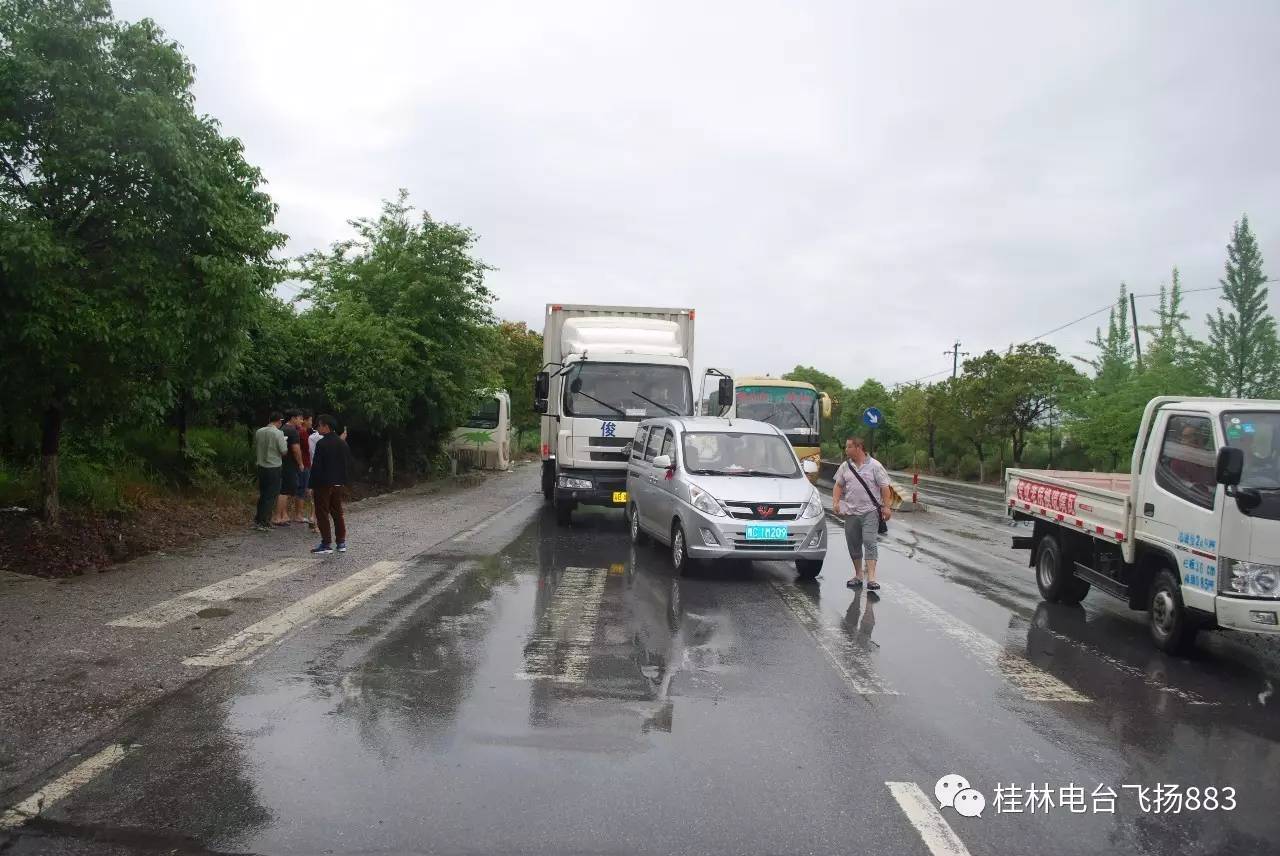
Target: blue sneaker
{"type": "Point", "coordinates": [322, 550]}
{"type": "Point", "coordinates": [342, 546]}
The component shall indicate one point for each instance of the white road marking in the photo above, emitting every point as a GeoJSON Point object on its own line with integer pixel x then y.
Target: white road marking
{"type": "Point", "coordinates": [188, 604]}
{"type": "Point", "coordinates": [60, 787]}
{"type": "Point", "coordinates": [560, 649]}
{"type": "Point", "coordinates": [1032, 682]}
{"type": "Point", "coordinates": [464, 536]}
{"type": "Point", "coordinates": [273, 627]}
{"type": "Point", "coordinates": [347, 607]}
{"type": "Point", "coordinates": [932, 827]}
{"type": "Point", "coordinates": [850, 661]}
{"type": "Point", "coordinates": [1132, 671]}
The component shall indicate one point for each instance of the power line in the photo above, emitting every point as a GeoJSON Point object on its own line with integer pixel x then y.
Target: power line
{"type": "Point", "coordinates": [1109, 306]}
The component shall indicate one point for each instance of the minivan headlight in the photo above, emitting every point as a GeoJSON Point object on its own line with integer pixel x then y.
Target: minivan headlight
{"type": "Point", "coordinates": [1254, 579]}
{"type": "Point", "coordinates": [704, 502]}
{"type": "Point", "coordinates": [814, 507]}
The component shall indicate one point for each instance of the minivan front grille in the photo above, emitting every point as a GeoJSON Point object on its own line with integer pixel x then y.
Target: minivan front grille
{"type": "Point", "coordinates": [763, 510]}
{"type": "Point", "coordinates": [743, 544]}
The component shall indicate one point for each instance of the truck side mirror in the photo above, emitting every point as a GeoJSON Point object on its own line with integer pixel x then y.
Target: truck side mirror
{"type": "Point", "coordinates": [1230, 466]}
{"type": "Point", "coordinates": [541, 386]}
{"type": "Point", "coordinates": [724, 393]}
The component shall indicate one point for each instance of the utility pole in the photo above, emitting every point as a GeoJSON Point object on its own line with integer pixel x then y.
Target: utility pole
{"type": "Point", "coordinates": [955, 353]}
{"type": "Point", "coordinates": [1137, 343]}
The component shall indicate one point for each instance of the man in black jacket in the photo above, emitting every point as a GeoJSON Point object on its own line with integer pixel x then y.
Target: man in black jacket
{"type": "Point", "coordinates": [328, 481]}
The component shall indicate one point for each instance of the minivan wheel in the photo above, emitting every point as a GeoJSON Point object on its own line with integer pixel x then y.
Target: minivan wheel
{"type": "Point", "coordinates": [680, 561]}
{"type": "Point", "coordinates": [1172, 629]}
{"type": "Point", "coordinates": [638, 535]}
{"type": "Point", "coordinates": [809, 568]}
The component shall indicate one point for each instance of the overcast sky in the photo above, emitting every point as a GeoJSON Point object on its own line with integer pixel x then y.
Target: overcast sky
{"type": "Point", "coordinates": [848, 186]}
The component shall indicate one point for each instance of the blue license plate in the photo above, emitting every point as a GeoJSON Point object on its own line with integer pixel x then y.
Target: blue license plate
{"type": "Point", "coordinates": [766, 532]}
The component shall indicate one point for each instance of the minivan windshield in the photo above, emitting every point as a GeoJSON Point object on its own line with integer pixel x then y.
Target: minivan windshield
{"type": "Point", "coordinates": [737, 453]}
{"type": "Point", "coordinates": [627, 391]}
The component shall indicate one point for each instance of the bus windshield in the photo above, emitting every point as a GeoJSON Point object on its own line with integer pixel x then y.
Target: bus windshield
{"type": "Point", "coordinates": [793, 409]}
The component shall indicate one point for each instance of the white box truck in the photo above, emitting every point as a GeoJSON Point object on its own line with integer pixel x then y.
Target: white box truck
{"type": "Point", "coordinates": [1192, 536]}
{"type": "Point", "coordinates": [605, 369]}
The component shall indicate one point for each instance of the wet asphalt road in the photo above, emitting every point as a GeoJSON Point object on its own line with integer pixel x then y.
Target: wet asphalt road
{"type": "Point", "coordinates": [531, 689]}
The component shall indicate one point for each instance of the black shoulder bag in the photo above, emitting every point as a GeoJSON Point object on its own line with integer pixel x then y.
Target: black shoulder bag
{"type": "Point", "coordinates": [884, 527]}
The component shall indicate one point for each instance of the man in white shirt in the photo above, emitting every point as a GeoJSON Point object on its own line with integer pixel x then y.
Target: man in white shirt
{"type": "Point", "coordinates": [855, 501]}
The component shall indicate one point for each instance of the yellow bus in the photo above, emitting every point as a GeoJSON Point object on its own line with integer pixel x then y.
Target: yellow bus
{"type": "Point", "coordinates": [795, 407]}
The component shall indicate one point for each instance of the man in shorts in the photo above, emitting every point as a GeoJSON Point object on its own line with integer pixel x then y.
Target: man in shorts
{"type": "Point", "coordinates": [289, 470]}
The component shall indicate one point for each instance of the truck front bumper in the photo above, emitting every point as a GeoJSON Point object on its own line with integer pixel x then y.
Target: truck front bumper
{"type": "Point", "coordinates": [606, 486]}
{"type": "Point", "coordinates": [1248, 614]}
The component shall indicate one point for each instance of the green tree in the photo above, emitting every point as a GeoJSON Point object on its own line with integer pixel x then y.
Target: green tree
{"type": "Point", "coordinates": [522, 358]}
{"type": "Point", "coordinates": [403, 324]}
{"type": "Point", "coordinates": [127, 223]}
{"type": "Point", "coordinates": [1026, 383]}
{"type": "Point", "coordinates": [1115, 359]}
{"type": "Point", "coordinates": [969, 414]}
{"type": "Point", "coordinates": [872, 393]}
{"type": "Point", "coordinates": [1242, 355]}
{"type": "Point", "coordinates": [918, 409]}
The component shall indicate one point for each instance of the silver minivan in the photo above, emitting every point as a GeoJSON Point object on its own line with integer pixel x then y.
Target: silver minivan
{"type": "Point", "coordinates": [713, 488]}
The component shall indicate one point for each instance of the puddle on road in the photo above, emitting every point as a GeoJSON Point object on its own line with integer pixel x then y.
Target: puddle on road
{"type": "Point", "coordinates": [214, 612]}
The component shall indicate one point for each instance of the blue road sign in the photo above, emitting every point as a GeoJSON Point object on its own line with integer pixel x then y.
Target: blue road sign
{"type": "Point", "coordinates": [872, 417]}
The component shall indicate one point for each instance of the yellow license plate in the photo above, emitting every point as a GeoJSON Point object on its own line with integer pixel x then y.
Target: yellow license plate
{"type": "Point", "coordinates": [620, 497]}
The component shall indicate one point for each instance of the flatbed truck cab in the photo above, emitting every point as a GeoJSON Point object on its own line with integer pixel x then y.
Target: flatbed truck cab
{"type": "Point", "coordinates": [1192, 536]}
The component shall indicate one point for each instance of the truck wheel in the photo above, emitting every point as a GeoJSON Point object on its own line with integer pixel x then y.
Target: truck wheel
{"type": "Point", "coordinates": [809, 568]}
{"type": "Point", "coordinates": [1172, 629]}
{"type": "Point", "coordinates": [564, 510]}
{"type": "Point", "coordinates": [548, 480]}
{"type": "Point", "coordinates": [638, 535]}
{"type": "Point", "coordinates": [680, 561]}
{"type": "Point", "coordinates": [1054, 577]}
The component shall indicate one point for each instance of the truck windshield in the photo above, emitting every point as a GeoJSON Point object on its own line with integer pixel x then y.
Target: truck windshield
{"type": "Point", "coordinates": [1258, 435]}
{"type": "Point", "coordinates": [730, 453]}
{"type": "Point", "coordinates": [627, 391]}
{"type": "Point", "coordinates": [791, 409]}
{"type": "Point", "coordinates": [486, 415]}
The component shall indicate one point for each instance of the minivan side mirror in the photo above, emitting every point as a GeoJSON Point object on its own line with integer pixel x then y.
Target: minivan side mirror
{"type": "Point", "coordinates": [724, 393]}
{"type": "Point", "coordinates": [662, 462]}
{"type": "Point", "coordinates": [1230, 466]}
{"type": "Point", "coordinates": [809, 467]}
{"type": "Point", "coordinates": [541, 386]}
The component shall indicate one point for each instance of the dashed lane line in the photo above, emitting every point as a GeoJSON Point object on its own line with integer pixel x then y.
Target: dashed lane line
{"type": "Point", "coordinates": [257, 636]}
{"type": "Point", "coordinates": [186, 605]}
{"type": "Point", "coordinates": [850, 661]}
{"type": "Point", "coordinates": [60, 787]}
{"type": "Point", "coordinates": [929, 823]}
{"type": "Point", "coordinates": [1032, 682]}
{"type": "Point", "coordinates": [560, 648]}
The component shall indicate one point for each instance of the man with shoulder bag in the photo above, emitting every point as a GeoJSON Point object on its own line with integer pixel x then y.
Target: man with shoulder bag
{"type": "Point", "coordinates": [866, 516]}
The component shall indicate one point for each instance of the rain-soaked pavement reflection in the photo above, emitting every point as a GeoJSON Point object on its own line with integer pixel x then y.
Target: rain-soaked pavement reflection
{"type": "Point", "coordinates": [568, 694]}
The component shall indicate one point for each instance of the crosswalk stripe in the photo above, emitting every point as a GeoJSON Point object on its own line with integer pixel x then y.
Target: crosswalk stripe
{"type": "Point", "coordinates": [929, 823]}
{"type": "Point", "coordinates": [256, 636]}
{"type": "Point", "coordinates": [850, 661]}
{"type": "Point", "coordinates": [60, 787]}
{"type": "Point", "coordinates": [188, 604]}
{"type": "Point", "coordinates": [560, 649]}
{"type": "Point", "coordinates": [1032, 682]}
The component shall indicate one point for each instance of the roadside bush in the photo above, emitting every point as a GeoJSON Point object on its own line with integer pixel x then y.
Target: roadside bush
{"type": "Point", "coordinates": [18, 486]}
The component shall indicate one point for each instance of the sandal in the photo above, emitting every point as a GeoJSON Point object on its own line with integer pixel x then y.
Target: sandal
{"type": "Point", "coordinates": [873, 586]}
{"type": "Point", "coordinates": [854, 583]}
